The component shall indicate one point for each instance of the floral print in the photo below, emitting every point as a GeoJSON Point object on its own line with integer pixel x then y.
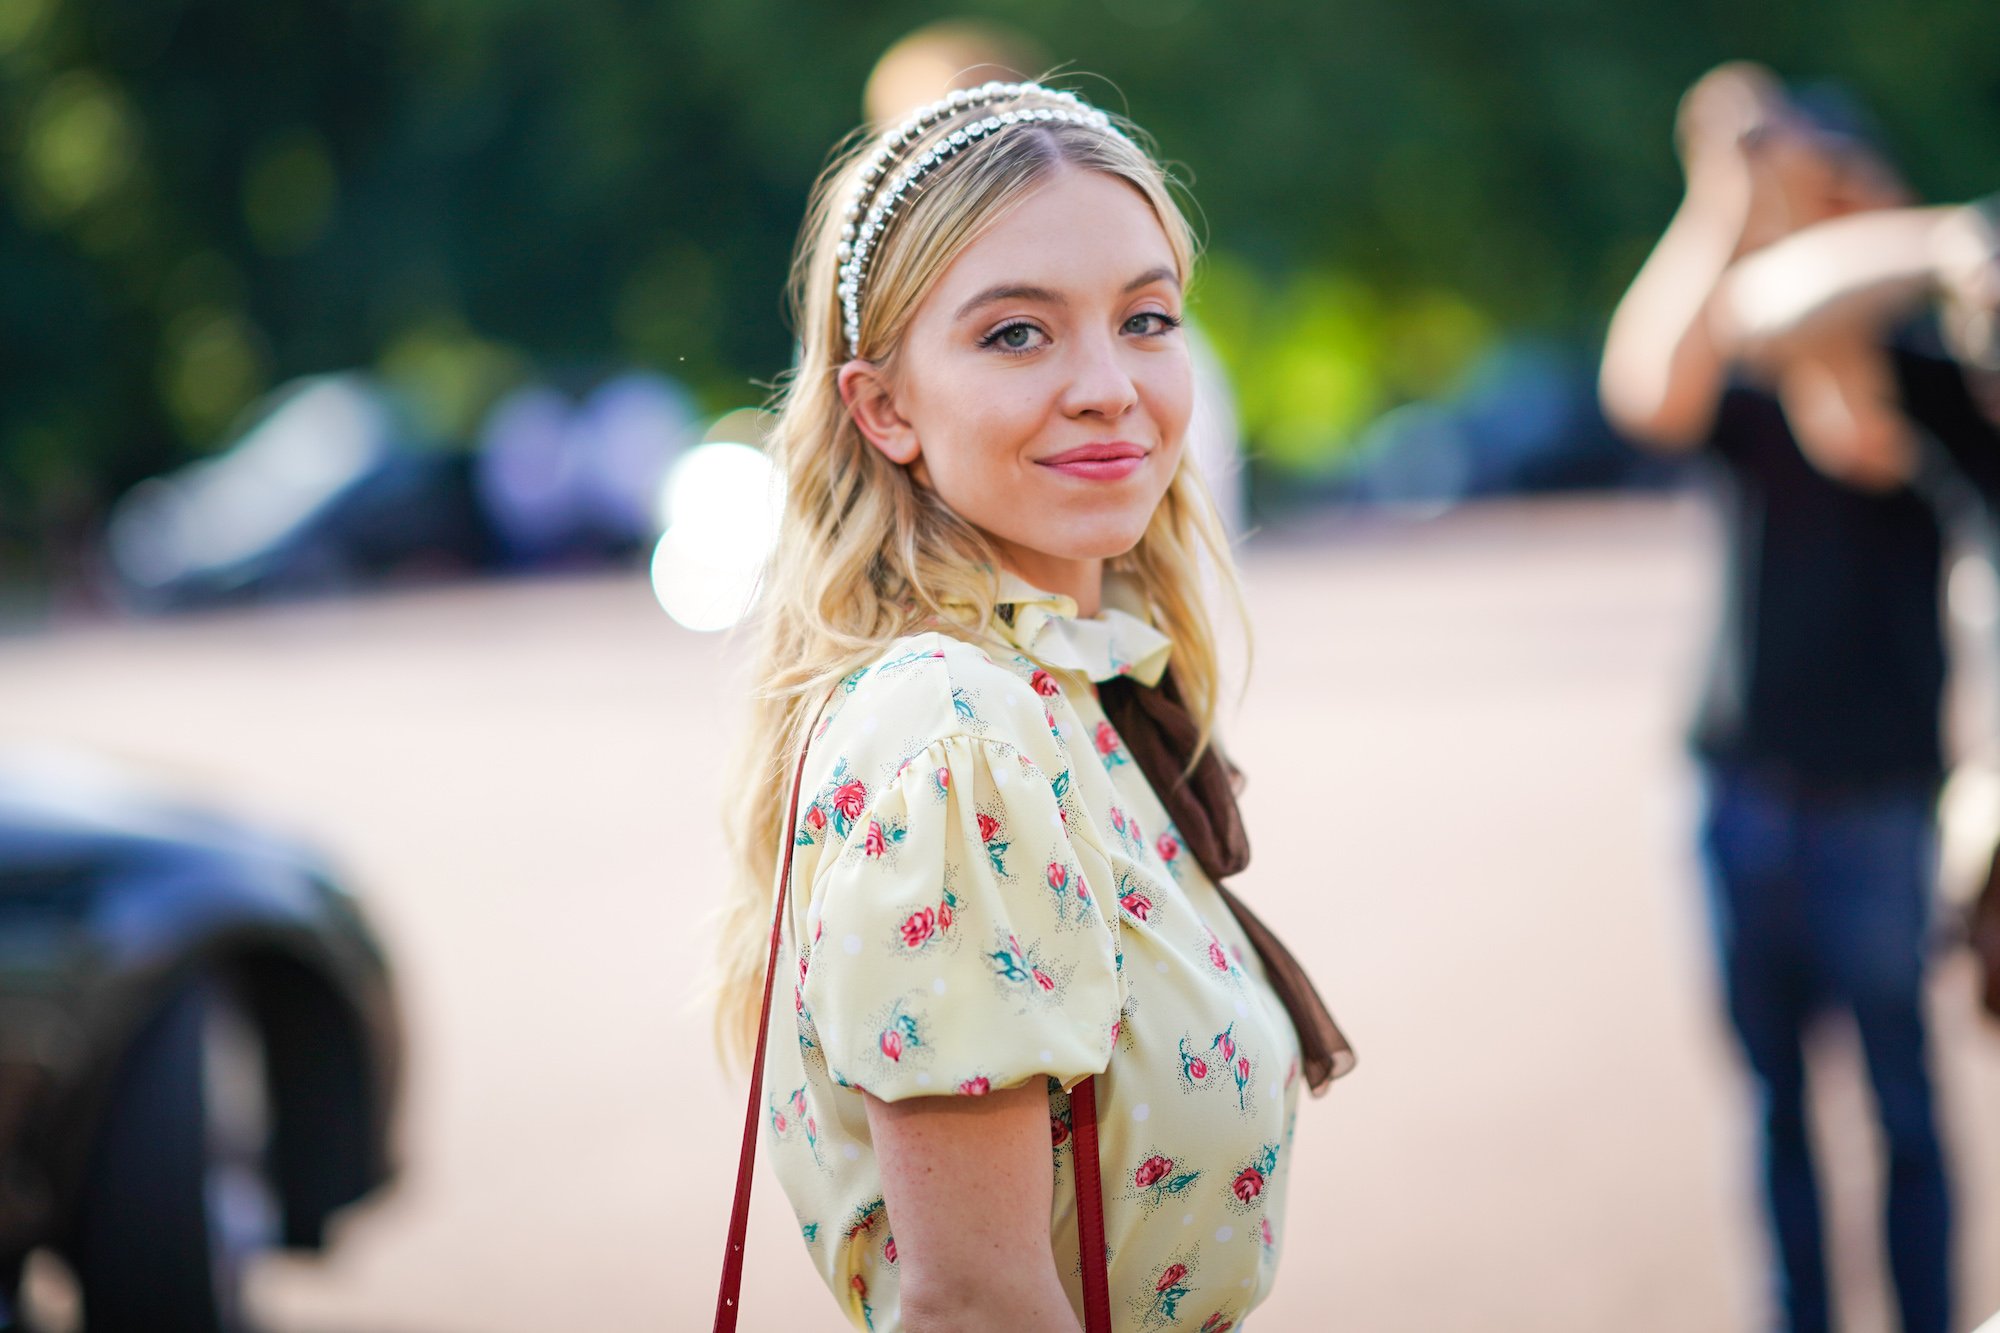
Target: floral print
{"type": "Point", "coordinates": [975, 906]}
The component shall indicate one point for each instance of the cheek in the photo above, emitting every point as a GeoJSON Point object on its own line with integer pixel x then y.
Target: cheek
{"type": "Point", "coordinates": [1169, 397]}
{"type": "Point", "coordinates": [975, 432]}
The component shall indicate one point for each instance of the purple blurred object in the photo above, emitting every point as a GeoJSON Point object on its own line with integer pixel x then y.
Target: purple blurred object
{"type": "Point", "coordinates": [561, 480]}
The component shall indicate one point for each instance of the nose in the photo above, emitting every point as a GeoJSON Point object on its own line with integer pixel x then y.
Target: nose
{"type": "Point", "coordinates": [1099, 385]}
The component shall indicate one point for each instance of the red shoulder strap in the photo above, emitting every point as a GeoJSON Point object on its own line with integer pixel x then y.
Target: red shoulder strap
{"type": "Point", "coordinates": [1083, 1117]}
{"type": "Point", "coordinates": [728, 1298]}
{"type": "Point", "coordinates": [1090, 1209]}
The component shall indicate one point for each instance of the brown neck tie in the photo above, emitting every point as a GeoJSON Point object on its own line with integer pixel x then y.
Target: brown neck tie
{"type": "Point", "coordinates": [1160, 733]}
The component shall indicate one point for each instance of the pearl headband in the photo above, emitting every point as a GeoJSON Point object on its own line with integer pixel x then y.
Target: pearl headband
{"type": "Point", "coordinates": [862, 230]}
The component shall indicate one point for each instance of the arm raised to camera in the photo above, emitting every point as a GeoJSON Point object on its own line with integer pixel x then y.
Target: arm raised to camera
{"type": "Point", "coordinates": [1662, 373]}
{"type": "Point", "coordinates": [1860, 274]}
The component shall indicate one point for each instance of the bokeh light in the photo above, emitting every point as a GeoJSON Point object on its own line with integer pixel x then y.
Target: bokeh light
{"type": "Point", "coordinates": [721, 507]}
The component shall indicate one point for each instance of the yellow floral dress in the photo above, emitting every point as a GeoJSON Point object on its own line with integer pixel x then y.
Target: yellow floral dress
{"type": "Point", "coordinates": [985, 891]}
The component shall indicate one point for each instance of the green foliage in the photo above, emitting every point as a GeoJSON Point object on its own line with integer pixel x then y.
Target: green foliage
{"type": "Point", "coordinates": [202, 198]}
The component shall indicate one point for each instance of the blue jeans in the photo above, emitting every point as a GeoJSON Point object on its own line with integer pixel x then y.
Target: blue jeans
{"type": "Point", "coordinates": [1822, 901]}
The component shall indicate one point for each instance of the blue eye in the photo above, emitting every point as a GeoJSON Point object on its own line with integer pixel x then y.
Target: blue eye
{"type": "Point", "coordinates": [1139, 323]}
{"type": "Point", "coordinates": [1014, 339]}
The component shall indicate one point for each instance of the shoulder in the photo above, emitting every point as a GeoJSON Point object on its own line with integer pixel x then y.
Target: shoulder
{"type": "Point", "coordinates": [926, 689]}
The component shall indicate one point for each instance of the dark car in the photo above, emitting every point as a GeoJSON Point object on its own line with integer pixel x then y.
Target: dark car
{"type": "Point", "coordinates": [199, 1048]}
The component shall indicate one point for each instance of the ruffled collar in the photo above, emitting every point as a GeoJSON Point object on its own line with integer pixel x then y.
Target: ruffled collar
{"type": "Point", "coordinates": [1118, 641]}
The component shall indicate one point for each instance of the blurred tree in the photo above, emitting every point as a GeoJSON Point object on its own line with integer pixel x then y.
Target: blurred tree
{"type": "Point", "coordinates": [202, 198]}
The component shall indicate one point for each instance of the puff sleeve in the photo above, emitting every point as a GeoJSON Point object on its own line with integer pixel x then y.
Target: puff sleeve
{"type": "Point", "coordinates": [959, 944]}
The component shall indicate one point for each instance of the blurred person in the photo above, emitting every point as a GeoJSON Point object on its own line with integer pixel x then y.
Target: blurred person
{"type": "Point", "coordinates": [1762, 332]}
{"type": "Point", "coordinates": [1005, 931]}
{"type": "Point", "coordinates": [954, 54]}
{"type": "Point", "coordinates": [940, 58]}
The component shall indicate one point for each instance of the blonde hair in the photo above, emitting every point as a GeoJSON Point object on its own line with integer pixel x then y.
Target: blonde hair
{"type": "Point", "coordinates": [864, 554]}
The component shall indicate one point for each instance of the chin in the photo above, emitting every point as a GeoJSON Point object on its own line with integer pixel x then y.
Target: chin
{"type": "Point", "coordinates": [1105, 538]}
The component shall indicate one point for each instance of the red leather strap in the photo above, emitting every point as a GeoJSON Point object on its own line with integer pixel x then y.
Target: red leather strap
{"type": "Point", "coordinates": [1083, 1122]}
{"type": "Point", "coordinates": [728, 1299]}
{"type": "Point", "coordinates": [1090, 1209]}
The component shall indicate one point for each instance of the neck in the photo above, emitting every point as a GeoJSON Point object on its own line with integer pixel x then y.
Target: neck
{"type": "Point", "coordinates": [1082, 581]}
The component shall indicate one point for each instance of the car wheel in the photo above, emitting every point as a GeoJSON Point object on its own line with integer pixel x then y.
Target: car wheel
{"type": "Point", "coordinates": [179, 1201]}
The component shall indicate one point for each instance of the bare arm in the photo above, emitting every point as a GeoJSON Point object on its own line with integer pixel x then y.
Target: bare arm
{"type": "Point", "coordinates": [1812, 309]}
{"type": "Point", "coordinates": [1663, 372]}
{"type": "Point", "coordinates": [1851, 274]}
{"type": "Point", "coordinates": [969, 1186]}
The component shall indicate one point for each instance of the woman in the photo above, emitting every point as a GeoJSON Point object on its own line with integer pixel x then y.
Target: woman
{"type": "Point", "coordinates": [989, 516]}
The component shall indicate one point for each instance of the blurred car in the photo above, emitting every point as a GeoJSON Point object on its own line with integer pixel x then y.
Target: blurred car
{"type": "Point", "coordinates": [322, 492]}
{"type": "Point", "coordinates": [199, 1048]}
{"type": "Point", "coordinates": [1524, 421]}
{"type": "Point", "coordinates": [328, 489]}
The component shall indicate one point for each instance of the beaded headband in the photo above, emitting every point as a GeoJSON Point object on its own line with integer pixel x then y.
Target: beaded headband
{"type": "Point", "coordinates": [862, 230]}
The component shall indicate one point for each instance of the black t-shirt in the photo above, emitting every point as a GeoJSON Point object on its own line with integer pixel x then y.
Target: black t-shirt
{"type": "Point", "coordinates": [1829, 662]}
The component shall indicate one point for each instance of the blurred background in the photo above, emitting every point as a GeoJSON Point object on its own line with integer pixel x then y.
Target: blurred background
{"type": "Point", "coordinates": [357, 364]}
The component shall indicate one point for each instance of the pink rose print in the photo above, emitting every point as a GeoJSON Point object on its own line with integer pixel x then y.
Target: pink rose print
{"type": "Point", "coordinates": [1242, 1069]}
{"type": "Point", "coordinates": [851, 798]}
{"type": "Point", "coordinates": [1217, 1323]}
{"type": "Point", "coordinates": [1058, 1131]}
{"type": "Point", "coordinates": [944, 917]}
{"type": "Point", "coordinates": [1169, 1294]}
{"type": "Point", "coordinates": [1225, 1043]}
{"type": "Point", "coordinates": [798, 1000]}
{"type": "Point", "coordinates": [1107, 739]}
{"type": "Point", "coordinates": [899, 1033]}
{"type": "Point", "coordinates": [988, 827]}
{"type": "Point", "coordinates": [943, 776]}
{"type": "Point", "coordinates": [1044, 683]}
{"type": "Point", "coordinates": [1152, 1171]}
{"type": "Point", "coordinates": [799, 1101]}
{"type": "Point", "coordinates": [1058, 876]}
{"type": "Point", "coordinates": [1193, 1067]}
{"type": "Point", "coordinates": [1264, 1232]}
{"type": "Point", "coordinates": [802, 967]}
{"type": "Point", "coordinates": [1043, 979]}
{"type": "Point", "coordinates": [874, 844]}
{"type": "Point", "coordinates": [1117, 819]}
{"type": "Point", "coordinates": [778, 1121]}
{"type": "Point", "coordinates": [1138, 904]}
{"type": "Point", "coordinates": [1216, 957]}
{"type": "Point", "coordinates": [1117, 1026]}
{"type": "Point", "coordinates": [1249, 1183]}
{"type": "Point", "coordinates": [816, 819]}
{"type": "Point", "coordinates": [860, 1287]}
{"type": "Point", "coordinates": [1167, 847]}
{"type": "Point", "coordinates": [889, 1250]}
{"type": "Point", "coordinates": [918, 927]}
{"type": "Point", "coordinates": [974, 1087]}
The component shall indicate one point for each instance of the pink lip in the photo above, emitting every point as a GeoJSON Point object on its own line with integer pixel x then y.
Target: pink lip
{"type": "Point", "coordinates": [1109, 460]}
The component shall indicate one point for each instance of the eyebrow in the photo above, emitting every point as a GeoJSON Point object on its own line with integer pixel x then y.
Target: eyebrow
{"type": "Point", "coordinates": [1018, 291]}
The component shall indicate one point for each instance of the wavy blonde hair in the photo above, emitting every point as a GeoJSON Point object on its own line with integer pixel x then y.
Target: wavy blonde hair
{"type": "Point", "coordinates": [864, 554]}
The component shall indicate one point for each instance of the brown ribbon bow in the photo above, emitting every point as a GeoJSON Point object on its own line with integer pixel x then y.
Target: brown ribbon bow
{"type": "Point", "coordinates": [1160, 732]}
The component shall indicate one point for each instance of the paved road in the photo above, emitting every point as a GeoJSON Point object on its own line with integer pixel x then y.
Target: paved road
{"type": "Point", "coordinates": [1484, 861]}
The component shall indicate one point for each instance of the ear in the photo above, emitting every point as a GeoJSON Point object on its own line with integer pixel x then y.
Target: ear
{"type": "Point", "coordinates": [866, 392]}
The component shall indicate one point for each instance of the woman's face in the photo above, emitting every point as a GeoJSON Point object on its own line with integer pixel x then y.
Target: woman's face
{"type": "Point", "coordinates": [1043, 386]}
